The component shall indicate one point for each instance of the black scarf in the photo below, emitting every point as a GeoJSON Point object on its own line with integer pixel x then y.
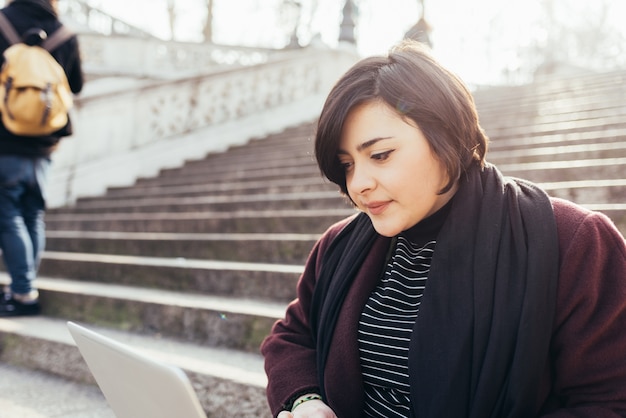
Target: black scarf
{"type": "Point", "coordinates": [341, 263]}
{"type": "Point", "coordinates": [482, 336]}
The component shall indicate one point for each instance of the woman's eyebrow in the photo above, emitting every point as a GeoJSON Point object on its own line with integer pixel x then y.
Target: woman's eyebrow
{"type": "Point", "coordinates": [370, 143]}
{"type": "Point", "coordinates": [364, 145]}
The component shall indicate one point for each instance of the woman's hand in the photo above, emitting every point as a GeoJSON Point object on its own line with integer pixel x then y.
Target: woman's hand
{"type": "Point", "coordinates": [310, 409]}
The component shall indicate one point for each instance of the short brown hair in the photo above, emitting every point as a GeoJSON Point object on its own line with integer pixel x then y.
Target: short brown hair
{"type": "Point", "coordinates": [413, 83]}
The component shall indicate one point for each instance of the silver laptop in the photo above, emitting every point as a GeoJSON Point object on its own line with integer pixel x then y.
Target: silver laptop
{"type": "Point", "coordinates": [133, 384]}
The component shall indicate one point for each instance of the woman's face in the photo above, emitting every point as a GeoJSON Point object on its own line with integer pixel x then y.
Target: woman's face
{"type": "Point", "coordinates": [391, 172]}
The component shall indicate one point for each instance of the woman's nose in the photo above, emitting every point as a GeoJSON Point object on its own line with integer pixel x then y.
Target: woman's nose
{"type": "Point", "coordinates": [360, 181]}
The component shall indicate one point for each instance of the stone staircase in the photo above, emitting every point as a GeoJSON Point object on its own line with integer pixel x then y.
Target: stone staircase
{"type": "Point", "coordinates": [193, 266]}
{"type": "Point", "coordinates": [567, 134]}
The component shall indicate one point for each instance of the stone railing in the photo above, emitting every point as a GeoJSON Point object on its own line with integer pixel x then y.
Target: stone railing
{"type": "Point", "coordinates": [97, 20]}
{"type": "Point", "coordinates": [111, 46]}
{"type": "Point", "coordinates": [156, 58]}
{"type": "Point", "coordinates": [131, 128]}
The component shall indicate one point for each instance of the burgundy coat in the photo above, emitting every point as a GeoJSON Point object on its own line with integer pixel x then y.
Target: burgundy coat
{"type": "Point", "coordinates": [585, 374]}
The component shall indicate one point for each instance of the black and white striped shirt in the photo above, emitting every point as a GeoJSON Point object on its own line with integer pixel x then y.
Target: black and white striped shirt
{"type": "Point", "coordinates": [385, 329]}
{"type": "Point", "coordinates": [387, 321]}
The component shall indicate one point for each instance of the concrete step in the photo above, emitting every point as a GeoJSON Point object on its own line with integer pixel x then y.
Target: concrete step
{"type": "Point", "coordinates": [554, 111]}
{"type": "Point", "coordinates": [214, 203]}
{"type": "Point", "coordinates": [588, 91]}
{"type": "Point", "coordinates": [496, 113]}
{"type": "Point", "coordinates": [302, 130]}
{"type": "Point", "coordinates": [208, 188]}
{"type": "Point", "coordinates": [314, 221]}
{"type": "Point", "coordinates": [565, 126]}
{"type": "Point", "coordinates": [588, 192]}
{"type": "Point", "coordinates": [266, 174]}
{"type": "Point", "coordinates": [212, 321]}
{"type": "Point", "coordinates": [261, 281]}
{"type": "Point", "coordinates": [251, 163]}
{"type": "Point", "coordinates": [291, 135]}
{"type": "Point", "coordinates": [271, 146]}
{"type": "Point", "coordinates": [292, 143]}
{"type": "Point", "coordinates": [252, 157]}
{"type": "Point", "coordinates": [596, 150]}
{"type": "Point", "coordinates": [224, 380]}
{"type": "Point", "coordinates": [282, 248]}
{"type": "Point", "coordinates": [525, 141]}
{"type": "Point", "coordinates": [567, 170]}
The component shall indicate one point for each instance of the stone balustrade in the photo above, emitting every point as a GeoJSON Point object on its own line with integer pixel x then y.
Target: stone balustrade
{"type": "Point", "coordinates": [126, 128]}
{"type": "Point", "coordinates": [157, 58]}
{"type": "Point", "coordinates": [80, 13]}
{"type": "Point", "coordinates": [111, 46]}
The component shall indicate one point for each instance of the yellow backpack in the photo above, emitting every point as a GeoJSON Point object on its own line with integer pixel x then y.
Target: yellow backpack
{"type": "Point", "coordinates": [35, 96]}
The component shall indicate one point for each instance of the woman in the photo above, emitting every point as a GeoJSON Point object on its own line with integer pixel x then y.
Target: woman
{"type": "Point", "coordinates": [456, 291]}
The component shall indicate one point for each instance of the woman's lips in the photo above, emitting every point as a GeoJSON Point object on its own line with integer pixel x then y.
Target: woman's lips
{"type": "Point", "coordinates": [376, 208]}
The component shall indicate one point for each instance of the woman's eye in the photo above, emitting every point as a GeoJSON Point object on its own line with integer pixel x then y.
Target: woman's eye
{"type": "Point", "coordinates": [346, 165]}
{"type": "Point", "coordinates": [381, 156]}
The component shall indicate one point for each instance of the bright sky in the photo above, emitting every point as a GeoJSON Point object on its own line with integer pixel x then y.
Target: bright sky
{"type": "Point", "coordinates": [475, 38]}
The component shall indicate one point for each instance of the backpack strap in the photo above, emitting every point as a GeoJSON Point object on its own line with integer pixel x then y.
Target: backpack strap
{"type": "Point", "coordinates": [55, 40]}
{"type": "Point", "coordinates": [8, 31]}
{"type": "Point", "coordinates": [51, 43]}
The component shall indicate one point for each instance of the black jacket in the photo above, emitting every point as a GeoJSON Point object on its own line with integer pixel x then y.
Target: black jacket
{"type": "Point", "coordinates": [25, 15]}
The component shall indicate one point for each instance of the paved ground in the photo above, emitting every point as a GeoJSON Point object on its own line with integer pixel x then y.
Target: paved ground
{"type": "Point", "coordinates": [29, 394]}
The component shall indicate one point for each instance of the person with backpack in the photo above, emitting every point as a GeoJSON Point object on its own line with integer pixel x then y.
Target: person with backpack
{"type": "Point", "coordinates": [25, 152]}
